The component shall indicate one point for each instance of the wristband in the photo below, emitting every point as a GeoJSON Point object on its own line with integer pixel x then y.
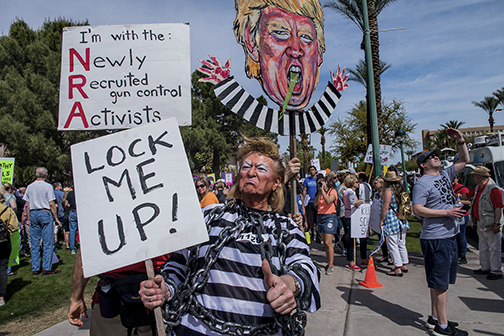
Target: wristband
{"type": "Point", "coordinates": [298, 287]}
{"type": "Point", "coordinates": [461, 143]}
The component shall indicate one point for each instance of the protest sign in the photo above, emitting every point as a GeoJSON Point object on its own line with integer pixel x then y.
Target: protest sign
{"type": "Point", "coordinates": [135, 197]}
{"type": "Point", "coordinates": [211, 177]}
{"type": "Point", "coordinates": [316, 163]}
{"type": "Point", "coordinates": [360, 221]}
{"type": "Point", "coordinates": [14, 255]}
{"type": "Point", "coordinates": [334, 165]}
{"type": "Point", "coordinates": [7, 169]}
{"type": "Point", "coordinates": [384, 155]}
{"type": "Point", "coordinates": [124, 76]}
{"type": "Point", "coordinates": [228, 177]}
{"type": "Point", "coordinates": [374, 216]}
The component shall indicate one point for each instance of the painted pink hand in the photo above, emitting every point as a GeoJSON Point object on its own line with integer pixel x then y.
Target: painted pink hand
{"type": "Point", "coordinates": [215, 71]}
{"type": "Point", "coordinates": [339, 80]}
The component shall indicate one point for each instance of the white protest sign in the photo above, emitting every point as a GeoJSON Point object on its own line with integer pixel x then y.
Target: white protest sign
{"type": "Point", "coordinates": [360, 221]}
{"type": "Point", "coordinates": [316, 163]}
{"type": "Point", "coordinates": [384, 154]}
{"type": "Point", "coordinates": [135, 197]}
{"type": "Point", "coordinates": [124, 76]}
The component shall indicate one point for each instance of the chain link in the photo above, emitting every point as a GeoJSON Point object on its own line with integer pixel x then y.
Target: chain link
{"type": "Point", "coordinates": [184, 298]}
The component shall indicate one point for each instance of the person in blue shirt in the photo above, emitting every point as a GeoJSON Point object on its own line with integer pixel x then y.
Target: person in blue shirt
{"type": "Point", "coordinates": [310, 188]}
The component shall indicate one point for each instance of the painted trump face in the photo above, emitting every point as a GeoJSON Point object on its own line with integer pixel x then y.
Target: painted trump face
{"type": "Point", "coordinates": [285, 44]}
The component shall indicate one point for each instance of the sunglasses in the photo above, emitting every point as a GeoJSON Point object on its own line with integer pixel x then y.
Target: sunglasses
{"type": "Point", "coordinates": [198, 186]}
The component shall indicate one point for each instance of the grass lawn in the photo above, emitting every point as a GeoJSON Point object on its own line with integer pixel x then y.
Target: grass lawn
{"type": "Point", "coordinates": [412, 237]}
{"type": "Point", "coordinates": [35, 303]}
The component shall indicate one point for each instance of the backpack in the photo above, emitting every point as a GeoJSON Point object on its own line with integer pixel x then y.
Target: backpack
{"type": "Point", "coordinates": [405, 210]}
{"type": "Point", "coordinates": [4, 231]}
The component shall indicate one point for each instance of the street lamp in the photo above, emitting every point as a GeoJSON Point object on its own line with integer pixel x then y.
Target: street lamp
{"type": "Point", "coordinates": [400, 134]}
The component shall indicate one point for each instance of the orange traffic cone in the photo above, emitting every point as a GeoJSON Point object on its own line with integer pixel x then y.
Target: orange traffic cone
{"type": "Point", "coordinates": [370, 279]}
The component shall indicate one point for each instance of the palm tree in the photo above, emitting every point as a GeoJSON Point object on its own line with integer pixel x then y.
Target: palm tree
{"type": "Point", "coordinates": [442, 139]}
{"type": "Point", "coordinates": [499, 94]}
{"type": "Point", "coordinates": [304, 146]}
{"type": "Point", "coordinates": [322, 132]}
{"type": "Point", "coordinates": [489, 104]}
{"type": "Point", "coordinates": [352, 9]}
{"type": "Point", "coordinates": [359, 75]}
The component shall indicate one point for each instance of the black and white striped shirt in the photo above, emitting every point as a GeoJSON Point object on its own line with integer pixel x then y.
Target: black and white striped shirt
{"type": "Point", "coordinates": [231, 94]}
{"type": "Point", "coordinates": [235, 291]}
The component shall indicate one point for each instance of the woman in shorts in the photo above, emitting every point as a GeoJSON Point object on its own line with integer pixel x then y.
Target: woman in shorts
{"type": "Point", "coordinates": [327, 221]}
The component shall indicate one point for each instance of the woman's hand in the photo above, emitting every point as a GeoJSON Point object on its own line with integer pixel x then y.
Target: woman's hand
{"type": "Point", "coordinates": [357, 203]}
{"type": "Point", "coordinates": [154, 293]}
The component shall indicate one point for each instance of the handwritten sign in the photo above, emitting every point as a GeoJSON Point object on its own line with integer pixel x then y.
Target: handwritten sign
{"type": "Point", "coordinates": [129, 205]}
{"type": "Point", "coordinates": [7, 169]}
{"type": "Point", "coordinates": [384, 154]}
{"type": "Point", "coordinates": [360, 221]}
{"type": "Point", "coordinates": [124, 76]}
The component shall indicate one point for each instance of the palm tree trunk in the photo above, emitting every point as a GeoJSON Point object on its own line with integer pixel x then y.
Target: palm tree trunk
{"type": "Point", "coordinates": [375, 51]}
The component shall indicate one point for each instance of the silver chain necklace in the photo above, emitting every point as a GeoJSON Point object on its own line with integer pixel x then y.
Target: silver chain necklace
{"type": "Point", "coordinates": [184, 298]}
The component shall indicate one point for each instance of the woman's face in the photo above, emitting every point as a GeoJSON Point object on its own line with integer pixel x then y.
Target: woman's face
{"type": "Point", "coordinates": [257, 176]}
{"type": "Point", "coordinates": [200, 188]}
{"type": "Point", "coordinates": [378, 184]}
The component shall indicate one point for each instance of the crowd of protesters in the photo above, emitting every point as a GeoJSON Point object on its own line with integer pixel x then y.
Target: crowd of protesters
{"type": "Point", "coordinates": [43, 216]}
{"type": "Point", "coordinates": [44, 212]}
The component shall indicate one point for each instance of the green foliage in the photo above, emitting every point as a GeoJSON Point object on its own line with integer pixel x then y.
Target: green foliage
{"type": "Point", "coordinates": [352, 9]}
{"type": "Point", "coordinates": [215, 133]}
{"type": "Point", "coordinates": [441, 139]}
{"type": "Point", "coordinates": [350, 142]}
{"type": "Point", "coordinates": [359, 75]}
{"type": "Point", "coordinates": [328, 159]}
{"type": "Point", "coordinates": [489, 105]}
{"type": "Point", "coordinates": [310, 153]}
{"type": "Point", "coordinates": [29, 82]}
{"type": "Point", "coordinates": [499, 94]}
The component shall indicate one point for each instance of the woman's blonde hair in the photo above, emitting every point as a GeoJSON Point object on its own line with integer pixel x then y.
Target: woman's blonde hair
{"type": "Point", "coordinates": [350, 181]}
{"type": "Point", "coordinates": [220, 185]}
{"type": "Point", "coordinates": [267, 148]}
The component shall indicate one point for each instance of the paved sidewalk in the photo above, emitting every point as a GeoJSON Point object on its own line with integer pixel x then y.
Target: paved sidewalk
{"type": "Point", "coordinates": [400, 307]}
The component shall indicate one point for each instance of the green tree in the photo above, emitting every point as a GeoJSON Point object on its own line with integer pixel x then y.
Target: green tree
{"type": "Point", "coordinates": [499, 94]}
{"type": "Point", "coordinates": [350, 143]}
{"type": "Point", "coordinates": [352, 9]}
{"type": "Point", "coordinates": [322, 131]}
{"type": "Point", "coordinates": [309, 151]}
{"type": "Point", "coordinates": [441, 139]}
{"type": "Point", "coordinates": [214, 135]}
{"type": "Point", "coordinates": [29, 84]}
{"type": "Point", "coordinates": [489, 105]}
{"type": "Point", "coordinates": [328, 158]}
{"type": "Point", "coordinates": [359, 75]}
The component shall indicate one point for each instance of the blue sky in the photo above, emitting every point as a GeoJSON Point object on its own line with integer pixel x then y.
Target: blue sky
{"type": "Point", "coordinates": [450, 54]}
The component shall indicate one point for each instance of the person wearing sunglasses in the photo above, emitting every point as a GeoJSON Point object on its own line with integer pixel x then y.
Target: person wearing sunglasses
{"type": "Point", "coordinates": [434, 200]}
{"type": "Point", "coordinates": [204, 195]}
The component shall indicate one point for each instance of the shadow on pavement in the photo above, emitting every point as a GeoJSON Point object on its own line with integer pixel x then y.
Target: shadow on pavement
{"type": "Point", "coordinates": [397, 314]}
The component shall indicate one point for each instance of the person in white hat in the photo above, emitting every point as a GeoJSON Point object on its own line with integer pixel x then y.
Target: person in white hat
{"type": "Point", "coordinates": [486, 212]}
